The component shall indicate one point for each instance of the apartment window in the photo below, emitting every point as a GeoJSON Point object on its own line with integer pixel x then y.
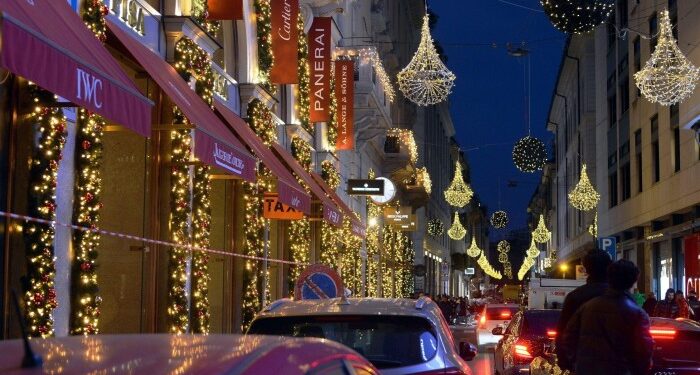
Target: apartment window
{"type": "Point", "coordinates": [676, 149]}
{"type": "Point", "coordinates": [626, 181]}
{"type": "Point", "coordinates": [655, 148]}
{"type": "Point", "coordinates": [638, 158]}
{"type": "Point", "coordinates": [637, 54]}
{"type": "Point", "coordinates": [624, 95]}
{"type": "Point", "coordinates": [612, 189]}
{"type": "Point", "coordinates": [612, 110]}
{"type": "Point", "coordinates": [653, 30]}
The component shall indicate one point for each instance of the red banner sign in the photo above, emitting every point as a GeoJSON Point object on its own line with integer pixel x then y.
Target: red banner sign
{"type": "Point", "coordinates": [224, 9]}
{"type": "Point", "coordinates": [285, 41]}
{"type": "Point", "coordinates": [320, 68]}
{"type": "Point", "coordinates": [345, 96]}
{"type": "Point", "coordinates": [692, 262]}
{"type": "Point", "coordinates": [274, 209]}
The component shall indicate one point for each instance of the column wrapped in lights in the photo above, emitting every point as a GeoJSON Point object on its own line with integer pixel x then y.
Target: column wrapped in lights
{"type": "Point", "coordinates": [577, 16]}
{"type": "Point", "coordinates": [374, 214]}
{"type": "Point", "coordinates": [369, 55]}
{"type": "Point", "coordinates": [350, 261]}
{"type": "Point", "coordinates": [200, 11]}
{"type": "Point", "coordinates": [388, 260]}
{"type": "Point", "coordinates": [499, 219]}
{"type": "Point", "coordinates": [529, 154]}
{"type": "Point", "coordinates": [303, 87]}
{"type": "Point", "coordinates": [331, 236]}
{"type": "Point", "coordinates": [332, 123]}
{"type": "Point", "coordinates": [299, 232]}
{"type": "Point", "coordinates": [458, 194]}
{"type": "Point", "coordinates": [473, 250]}
{"type": "Point", "coordinates": [426, 80]}
{"type": "Point", "coordinates": [668, 77]}
{"type": "Point", "coordinates": [457, 230]}
{"type": "Point", "coordinates": [541, 234]}
{"type": "Point", "coordinates": [263, 21]}
{"type": "Point", "coordinates": [201, 229]}
{"type": "Point", "coordinates": [583, 196]}
{"type": "Point", "coordinates": [593, 228]}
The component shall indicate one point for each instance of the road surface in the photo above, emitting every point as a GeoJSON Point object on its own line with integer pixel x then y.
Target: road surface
{"type": "Point", "coordinates": [482, 364]}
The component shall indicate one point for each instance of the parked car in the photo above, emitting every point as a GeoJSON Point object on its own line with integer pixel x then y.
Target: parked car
{"type": "Point", "coordinates": [492, 316]}
{"type": "Point", "coordinates": [185, 354]}
{"type": "Point", "coordinates": [398, 336]}
{"type": "Point", "coordinates": [530, 334]}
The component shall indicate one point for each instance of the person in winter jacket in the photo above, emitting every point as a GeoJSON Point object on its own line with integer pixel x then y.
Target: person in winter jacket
{"type": "Point", "coordinates": [650, 304]}
{"type": "Point", "coordinates": [609, 335]}
{"type": "Point", "coordinates": [668, 307]}
{"type": "Point", "coordinates": [694, 305]}
{"type": "Point", "coordinates": [683, 308]}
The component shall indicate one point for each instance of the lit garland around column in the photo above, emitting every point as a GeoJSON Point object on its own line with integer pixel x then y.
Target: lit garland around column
{"type": "Point", "coordinates": [584, 197]}
{"type": "Point", "coordinates": [593, 228]}
{"type": "Point", "coordinates": [40, 292]}
{"type": "Point", "coordinates": [407, 138]}
{"type": "Point", "coordinates": [331, 236]}
{"type": "Point", "coordinates": [369, 55]}
{"type": "Point", "coordinates": [350, 261]}
{"type": "Point", "coordinates": [263, 20]}
{"type": "Point", "coordinates": [457, 231]}
{"type": "Point", "coordinates": [529, 154]}
{"type": "Point", "coordinates": [300, 230]}
{"type": "Point", "coordinates": [541, 234]}
{"type": "Point", "coordinates": [374, 214]}
{"type": "Point", "coordinates": [200, 11]}
{"type": "Point", "coordinates": [303, 88]}
{"type": "Point", "coordinates": [201, 229]}
{"type": "Point", "coordinates": [458, 194]}
{"type": "Point", "coordinates": [668, 77]}
{"type": "Point", "coordinates": [499, 219]}
{"type": "Point", "coordinates": [388, 261]}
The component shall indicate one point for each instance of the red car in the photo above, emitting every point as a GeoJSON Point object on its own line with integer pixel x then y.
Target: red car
{"type": "Point", "coordinates": [676, 346]}
{"type": "Point", "coordinates": [185, 354]}
{"type": "Point", "coordinates": [529, 334]}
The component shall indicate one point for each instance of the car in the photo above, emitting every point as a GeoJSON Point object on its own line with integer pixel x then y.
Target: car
{"type": "Point", "coordinates": [492, 316]}
{"type": "Point", "coordinates": [155, 354]}
{"type": "Point", "coordinates": [398, 336]}
{"type": "Point", "coordinates": [530, 334]}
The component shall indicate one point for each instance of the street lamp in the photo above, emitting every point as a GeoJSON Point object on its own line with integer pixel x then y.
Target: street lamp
{"type": "Point", "coordinates": [563, 268]}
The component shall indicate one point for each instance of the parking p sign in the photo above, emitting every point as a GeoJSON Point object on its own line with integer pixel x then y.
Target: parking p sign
{"type": "Point", "coordinates": [609, 245]}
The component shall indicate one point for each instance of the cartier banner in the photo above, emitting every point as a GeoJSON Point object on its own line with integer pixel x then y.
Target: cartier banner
{"type": "Point", "coordinates": [285, 41]}
{"type": "Point", "coordinates": [224, 9]}
{"type": "Point", "coordinates": [320, 68]}
{"type": "Point", "coordinates": [344, 96]}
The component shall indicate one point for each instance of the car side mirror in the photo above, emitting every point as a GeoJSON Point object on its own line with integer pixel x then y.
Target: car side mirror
{"type": "Point", "coordinates": [498, 331]}
{"type": "Point", "coordinates": [467, 351]}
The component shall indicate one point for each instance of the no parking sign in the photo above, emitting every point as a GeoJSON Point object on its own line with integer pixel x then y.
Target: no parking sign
{"type": "Point", "coordinates": [318, 282]}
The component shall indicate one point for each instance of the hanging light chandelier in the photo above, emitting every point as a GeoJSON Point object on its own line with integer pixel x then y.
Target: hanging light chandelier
{"type": "Point", "coordinates": [426, 80]}
{"type": "Point", "coordinates": [668, 77]}
{"type": "Point", "coordinates": [529, 154]}
{"type": "Point", "coordinates": [473, 250]}
{"type": "Point", "coordinates": [583, 196]}
{"type": "Point", "coordinates": [499, 219]}
{"type": "Point", "coordinates": [577, 16]}
{"type": "Point", "coordinates": [458, 194]}
{"type": "Point", "coordinates": [541, 234]}
{"type": "Point", "coordinates": [456, 231]}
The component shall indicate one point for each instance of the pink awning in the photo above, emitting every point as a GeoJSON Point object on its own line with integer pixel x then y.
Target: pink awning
{"type": "Point", "coordinates": [356, 225]}
{"type": "Point", "coordinates": [331, 213]}
{"type": "Point", "coordinates": [46, 42]}
{"type": "Point", "coordinates": [214, 143]}
{"type": "Point", "coordinates": [289, 190]}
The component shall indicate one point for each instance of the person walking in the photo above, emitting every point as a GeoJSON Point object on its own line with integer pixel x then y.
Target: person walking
{"type": "Point", "coordinates": [609, 335]}
{"type": "Point", "coordinates": [683, 308]}
{"type": "Point", "coordinates": [650, 304]}
{"type": "Point", "coordinates": [694, 305]}
{"type": "Point", "coordinates": [596, 263]}
{"type": "Point", "coordinates": [667, 308]}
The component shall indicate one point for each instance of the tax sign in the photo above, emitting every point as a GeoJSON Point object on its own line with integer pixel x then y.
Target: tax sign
{"type": "Point", "coordinates": [274, 209]}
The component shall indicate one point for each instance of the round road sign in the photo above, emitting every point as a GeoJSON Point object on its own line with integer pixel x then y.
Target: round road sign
{"type": "Point", "coordinates": [318, 282]}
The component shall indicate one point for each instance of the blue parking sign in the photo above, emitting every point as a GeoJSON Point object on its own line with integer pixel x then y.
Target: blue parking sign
{"type": "Point", "coordinates": [609, 245]}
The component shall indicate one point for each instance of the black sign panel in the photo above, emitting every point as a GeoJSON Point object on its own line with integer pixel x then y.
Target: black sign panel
{"type": "Point", "coordinates": [366, 187]}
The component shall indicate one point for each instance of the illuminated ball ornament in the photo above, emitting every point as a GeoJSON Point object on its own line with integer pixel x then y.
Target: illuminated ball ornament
{"type": "Point", "coordinates": [473, 250]}
{"type": "Point", "coordinates": [541, 234]}
{"type": "Point", "coordinates": [503, 247]}
{"type": "Point", "coordinates": [457, 231]}
{"type": "Point", "coordinates": [426, 80]}
{"type": "Point", "coordinates": [499, 219]}
{"type": "Point", "coordinates": [577, 16]}
{"type": "Point", "coordinates": [458, 194]}
{"type": "Point", "coordinates": [529, 154]}
{"type": "Point", "coordinates": [435, 227]}
{"type": "Point", "coordinates": [668, 77]}
{"type": "Point", "coordinates": [583, 196]}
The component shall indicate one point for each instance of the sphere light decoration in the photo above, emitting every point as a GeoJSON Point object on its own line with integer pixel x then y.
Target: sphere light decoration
{"type": "Point", "coordinates": [435, 227]}
{"type": "Point", "coordinates": [529, 154]}
{"type": "Point", "coordinates": [503, 247]}
{"type": "Point", "coordinates": [499, 219]}
{"type": "Point", "coordinates": [457, 231]}
{"type": "Point", "coordinates": [426, 80]}
{"type": "Point", "coordinates": [583, 196]}
{"type": "Point", "coordinates": [541, 234]}
{"type": "Point", "coordinates": [577, 16]}
{"type": "Point", "coordinates": [532, 251]}
{"type": "Point", "coordinates": [458, 194]}
{"type": "Point", "coordinates": [667, 77]}
{"type": "Point", "coordinates": [473, 250]}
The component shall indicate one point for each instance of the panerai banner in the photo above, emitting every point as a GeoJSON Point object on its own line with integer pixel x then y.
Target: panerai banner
{"type": "Point", "coordinates": [320, 68]}
{"type": "Point", "coordinates": [224, 9]}
{"type": "Point", "coordinates": [285, 41]}
{"type": "Point", "coordinates": [344, 96]}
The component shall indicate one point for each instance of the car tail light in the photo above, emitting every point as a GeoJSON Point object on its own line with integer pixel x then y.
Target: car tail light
{"type": "Point", "coordinates": [482, 320]}
{"type": "Point", "coordinates": [551, 333]}
{"type": "Point", "coordinates": [522, 351]}
{"type": "Point", "coordinates": [505, 315]}
{"type": "Point", "coordinates": [662, 333]}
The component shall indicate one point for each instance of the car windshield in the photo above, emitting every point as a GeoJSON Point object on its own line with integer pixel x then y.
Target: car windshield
{"type": "Point", "coordinates": [386, 341]}
{"type": "Point", "coordinates": [500, 312]}
{"type": "Point", "coordinates": [540, 323]}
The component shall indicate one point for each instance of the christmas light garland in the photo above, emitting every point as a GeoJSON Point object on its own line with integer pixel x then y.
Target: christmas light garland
{"type": "Point", "coordinates": [668, 77]}
{"type": "Point", "coordinates": [330, 174]}
{"type": "Point", "coordinates": [541, 234]}
{"type": "Point", "coordinates": [423, 179]}
{"type": "Point", "coordinates": [350, 261]}
{"type": "Point", "coordinates": [263, 20]}
{"type": "Point", "coordinates": [303, 87]}
{"type": "Point", "coordinates": [406, 136]}
{"type": "Point", "coordinates": [499, 219]}
{"type": "Point", "coordinates": [458, 194]}
{"type": "Point", "coordinates": [577, 16]}
{"type": "Point", "coordinates": [593, 228]}
{"type": "Point", "coordinates": [369, 55]}
{"type": "Point", "coordinates": [529, 154]}
{"type": "Point", "coordinates": [332, 123]}
{"type": "Point", "coordinates": [583, 196]}
{"type": "Point", "coordinates": [331, 236]}
{"type": "Point", "coordinates": [300, 230]}
{"type": "Point", "coordinates": [374, 214]}
{"type": "Point", "coordinates": [201, 229]}
{"type": "Point", "coordinates": [456, 231]}
{"type": "Point", "coordinates": [200, 10]}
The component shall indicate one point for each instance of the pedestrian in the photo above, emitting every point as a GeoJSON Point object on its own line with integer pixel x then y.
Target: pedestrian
{"type": "Point", "coordinates": [596, 263]}
{"type": "Point", "coordinates": [683, 308]}
{"type": "Point", "coordinates": [638, 297]}
{"type": "Point", "coordinates": [667, 308]}
{"type": "Point", "coordinates": [609, 335]}
{"type": "Point", "coordinates": [694, 305]}
{"type": "Point", "coordinates": [650, 304]}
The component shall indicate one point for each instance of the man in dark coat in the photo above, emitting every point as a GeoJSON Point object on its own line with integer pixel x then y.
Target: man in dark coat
{"type": "Point", "coordinates": [650, 304]}
{"type": "Point", "coordinates": [596, 263]}
{"type": "Point", "coordinates": [668, 307]}
{"type": "Point", "coordinates": [609, 335]}
{"type": "Point", "coordinates": [694, 305]}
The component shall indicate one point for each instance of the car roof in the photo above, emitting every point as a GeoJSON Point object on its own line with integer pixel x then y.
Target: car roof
{"type": "Point", "coordinates": [682, 324]}
{"type": "Point", "coordinates": [184, 354]}
{"type": "Point", "coordinates": [502, 305]}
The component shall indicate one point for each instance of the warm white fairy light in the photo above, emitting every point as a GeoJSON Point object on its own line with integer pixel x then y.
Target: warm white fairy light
{"type": "Point", "coordinates": [541, 234]}
{"type": "Point", "coordinates": [488, 268]}
{"type": "Point", "coordinates": [457, 231]}
{"type": "Point", "coordinates": [577, 16]}
{"type": "Point", "coordinates": [503, 247]}
{"type": "Point", "coordinates": [426, 80]}
{"type": "Point", "coordinates": [499, 219]}
{"type": "Point", "coordinates": [529, 154]}
{"type": "Point", "coordinates": [370, 55]}
{"type": "Point", "coordinates": [532, 251]}
{"type": "Point", "coordinates": [473, 250]}
{"type": "Point", "coordinates": [583, 196]}
{"type": "Point", "coordinates": [458, 194]}
{"type": "Point", "coordinates": [593, 228]}
{"type": "Point", "coordinates": [668, 77]}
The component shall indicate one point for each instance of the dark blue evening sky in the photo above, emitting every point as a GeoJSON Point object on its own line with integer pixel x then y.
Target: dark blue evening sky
{"type": "Point", "coordinates": [488, 103]}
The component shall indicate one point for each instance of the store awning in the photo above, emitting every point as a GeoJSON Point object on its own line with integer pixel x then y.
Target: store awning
{"type": "Point", "coordinates": [214, 144]}
{"type": "Point", "coordinates": [331, 213]}
{"type": "Point", "coordinates": [46, 42]}
{"type": "Point", "coordinates": [289, 190]}
{"type": "Point", "coordinates": [356, 225]}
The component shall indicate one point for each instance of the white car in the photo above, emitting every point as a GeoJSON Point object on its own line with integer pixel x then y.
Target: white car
{"type": "Point", "coordinates": [491, 317]}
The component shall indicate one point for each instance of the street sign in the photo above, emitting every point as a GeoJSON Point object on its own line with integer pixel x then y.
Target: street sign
{"type": "Point", "coordinates": [469, 271]}
{"type": "Point", "coordinates": [398, 216]}
{"type": "Point", "coordinates": [609, 245]}
{"type": "Point", "coordinates": [366, 187]}
{"type": "Point", "coordinates": [581, 272]}
{"type": "Point", "coordinates": [274, 209]}
{"type": "Point", "coordinates": [318, 282]}
{"type": "Point", "coordinates": [409, 226]}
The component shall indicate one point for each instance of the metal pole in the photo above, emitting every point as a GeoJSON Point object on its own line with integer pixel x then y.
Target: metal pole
{"type": "Point", "coordinates": [266, 252]}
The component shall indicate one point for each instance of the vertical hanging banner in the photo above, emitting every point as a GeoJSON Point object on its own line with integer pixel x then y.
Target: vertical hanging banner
{"type": "Point", "coordinates": [320, 68]}
{"type": "Point", "coordinates": [221, 10]}
{"type": "Point", "coordinates": [345, 96]}
{"type": "Point", "coordinates": [285, 41]}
